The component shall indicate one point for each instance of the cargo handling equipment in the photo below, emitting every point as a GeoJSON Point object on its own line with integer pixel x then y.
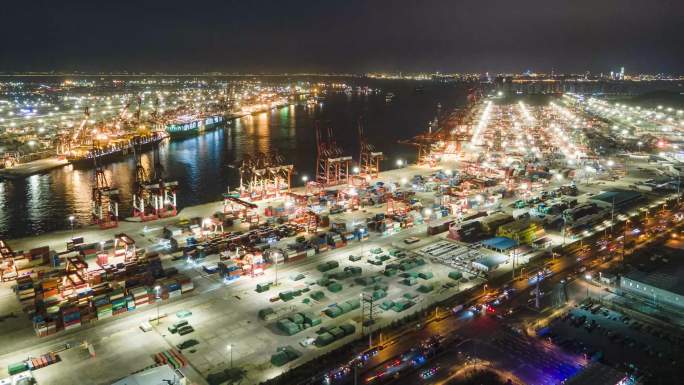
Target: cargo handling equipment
{"type": "Point", "coordinates": [105, 199]}
{"type": "Point", "coordinates": [154, 197]}
{"type": "Point", "coordinates": [332, 163]}
{"type": "Point", "coordinates": [264, 176]}
{"type": "Point", "coordinates": [446, 135]}
{"type": "Point", "coordinates": [369, 158]}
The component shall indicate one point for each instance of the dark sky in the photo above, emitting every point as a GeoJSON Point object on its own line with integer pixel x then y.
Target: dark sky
{"type": "Point", "coordinates": [342, 36]}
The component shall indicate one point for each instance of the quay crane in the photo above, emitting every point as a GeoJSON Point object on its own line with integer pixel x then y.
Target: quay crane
{"type": "Point", "coordinates": [154, 197]}
{"type": "Point", "coordinates": [445, 139]}
{"type": "Point", "coordinates": [332, 165]}
{"type": "Point", "coordinates": [80, 137]}
{"type": "Point", "coordinates": [105, 199]}
{"type": "Point", "coordinates": [264, 176]}
{"type": "Point", "coordinates": [369, 158]}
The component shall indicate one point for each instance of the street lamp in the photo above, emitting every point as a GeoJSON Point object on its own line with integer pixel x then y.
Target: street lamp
{"type": "Point", "coordinates": [71, 221]}
{"type": "Point", "coordinates": [400, 162]}
{"type": "Point", "coordinates": [157, 290]}
{"type": "Point", "coordinates": [230, 352]}
{"type": "Point", "coordinates": [305, 178]}
{"type": "Point", "coordinates": [355, 170]}
{"type": "Point", "coordinates": [276, 255]}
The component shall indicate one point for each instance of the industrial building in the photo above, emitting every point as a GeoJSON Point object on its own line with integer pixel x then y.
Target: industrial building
{"type": "Point", "coordinates": [158, 375]}
{"type": "Point", "coordinates": [663, 286]}
{"type": "Point", "coordinates": [618, 199]}
{"type": "Point", "coordinates": [489, 262]}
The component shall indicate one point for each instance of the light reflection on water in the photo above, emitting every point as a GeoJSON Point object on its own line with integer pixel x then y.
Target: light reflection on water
{"type": "Point", "coordinates": [202, 164]}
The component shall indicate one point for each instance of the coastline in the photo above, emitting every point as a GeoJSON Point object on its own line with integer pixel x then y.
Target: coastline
{"type": "Point", "coordinates": [25, 170]}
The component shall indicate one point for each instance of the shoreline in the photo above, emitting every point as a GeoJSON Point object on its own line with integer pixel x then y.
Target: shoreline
{"type": "Point", "coordinates": [40, 166]}
{"type": "Point", "coordinates": [56, 240]}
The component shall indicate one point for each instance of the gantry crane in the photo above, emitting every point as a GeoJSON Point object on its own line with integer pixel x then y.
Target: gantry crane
{"type": "Point", "coordinates": [144, 197]}
{"type": "Point", "coordinates": [369, 159]}
{"type": "Point", "coordinates": [445, 136]}
{"type": "Point", "coordinates": [332, 165]}
{"type": "Point", "coordinates": [80, 137]}
{"type": "Point", "coordinates": [264, 176]}
{"type": "Point", "coordinates": [154, 196]}
{"type": "Point", "coordinates": [105, 199]}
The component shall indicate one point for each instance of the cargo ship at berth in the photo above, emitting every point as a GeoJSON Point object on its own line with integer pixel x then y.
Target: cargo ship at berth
{"type": "Point", "coordinates": [190, 125]}
{"type": "Point", "coordinates": [114, 150]}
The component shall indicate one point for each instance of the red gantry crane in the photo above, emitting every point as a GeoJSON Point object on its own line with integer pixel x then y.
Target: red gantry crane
{"type": "Point", "coordinates": [445, 138]}
{"type": "Point", "coordinates": [264, 176]}
{"type": "Point", "coordinates": [154, 197]}
{"type": "Point", "coordinates": [369, 159]}
{"type": "Point", "coordinates": [105, 199]}
{"type": "Point", "coordinates": [332, 165]}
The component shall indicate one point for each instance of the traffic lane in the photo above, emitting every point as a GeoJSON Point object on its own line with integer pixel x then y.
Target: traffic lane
{"type": "Point", "coordinates": [528, 358]}
{"type": "Point", "coordinates": [562, 265]}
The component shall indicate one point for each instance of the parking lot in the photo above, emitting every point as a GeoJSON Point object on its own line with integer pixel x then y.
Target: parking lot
{"type": "Point", "coordinates": [605, 335]}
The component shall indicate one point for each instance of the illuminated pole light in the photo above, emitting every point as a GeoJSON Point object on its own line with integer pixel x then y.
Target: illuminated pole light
{"type": "Point", "coordinates": [230, 352]}
{"type": "Point", "coordinates": [157, 290]}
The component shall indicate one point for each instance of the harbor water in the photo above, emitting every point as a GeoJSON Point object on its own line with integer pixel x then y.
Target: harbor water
{"type": "Point", "coordinates": [205, 166]}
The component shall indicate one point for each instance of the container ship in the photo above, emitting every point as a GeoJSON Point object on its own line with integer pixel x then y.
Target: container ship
{"type": "Point", "coordinates": [191, 125]}
{"type": "Point", "coordinates": [114, 150]}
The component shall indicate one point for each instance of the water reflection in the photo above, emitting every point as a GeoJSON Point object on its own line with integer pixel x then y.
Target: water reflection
{"type": "Point", "coordinates": [204, 166]}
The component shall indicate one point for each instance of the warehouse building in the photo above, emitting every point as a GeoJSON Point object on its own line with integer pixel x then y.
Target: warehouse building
{"type": "Point", "coordinates": [524, 231]}
{"type": "Point", "coordinates": [489, 263]}
{"type": "Point", "coordinates": [663, 286]}
{"type": "Point", "coordinates": [621, 198]}
{"type": "Point", "coordinates": [500, 244]}
{"type": "Point", "coordinates": [158, 375]}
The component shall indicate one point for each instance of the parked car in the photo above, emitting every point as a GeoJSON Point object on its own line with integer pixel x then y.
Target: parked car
{"type": "Point", "coordinates": [187, 344]}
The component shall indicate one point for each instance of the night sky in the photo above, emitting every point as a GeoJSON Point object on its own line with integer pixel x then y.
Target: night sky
{"type": "Point", "coordinates": [342, 36]}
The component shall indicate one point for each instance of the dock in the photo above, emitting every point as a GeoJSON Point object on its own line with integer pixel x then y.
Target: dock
{"type": "Point", "coordinates": [24, 170]}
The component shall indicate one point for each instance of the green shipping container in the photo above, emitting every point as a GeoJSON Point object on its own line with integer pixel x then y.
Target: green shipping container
{"type": "Point", "coordinates": [286, 295]}
{"type": "Point", "coordinates": [324, 339]}
{"type": "Point", "coordinates": [262, 287]}
{"type": "Point", "coordinates": [17, 368]}
{"type": "Point", "coordinates": [333, 312]}
{"type": "Point", "coordinates": [297, 318]}
{"type": "Point", "coordinates": [378, 294]}
{"type": "Point", "coordinates": [263, 313]}
{"type": "Point", "coordinates": [335, 287]}
{"type": "Point", "coordinates": [337, 333]}
{"type": "Point", "coordinates": [426, 275]}
{"type": "Point", "coordinates": [354, 303]}
{"type": "Point", "coordinates": [280, 359]}
{"type": "Point", "coordinates": [348, 329]}
{"type": "Point", "coordinates": [455, 275]}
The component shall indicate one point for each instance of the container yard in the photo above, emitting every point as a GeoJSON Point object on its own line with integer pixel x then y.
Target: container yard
{"type": "Point", "coordinates": [277, 275]}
